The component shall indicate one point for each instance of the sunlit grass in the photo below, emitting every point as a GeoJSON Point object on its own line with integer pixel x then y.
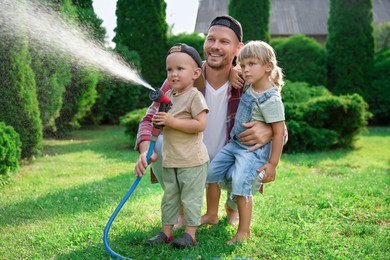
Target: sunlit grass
{"type": "Point", "coordinates": [326, 205]}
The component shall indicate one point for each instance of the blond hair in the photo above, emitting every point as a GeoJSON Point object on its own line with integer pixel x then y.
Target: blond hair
{"type": "Point", "coordinates": [264, 53]}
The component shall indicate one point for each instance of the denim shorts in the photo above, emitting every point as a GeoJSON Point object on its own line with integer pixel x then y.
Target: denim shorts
{"type": "Point", "coordinates": [234, 160]}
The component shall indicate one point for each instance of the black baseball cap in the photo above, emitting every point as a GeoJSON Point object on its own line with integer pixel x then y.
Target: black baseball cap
{"type": "Point", "coordinates": [230, 22]}
{"type": "Point", "coordinates": [182, 47]}
{"type": "Point", "coordinates": [194, 54]}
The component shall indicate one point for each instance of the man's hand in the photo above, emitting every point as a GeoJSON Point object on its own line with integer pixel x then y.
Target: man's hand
{"type": "Point", "coordinates": [257, 135]}
{"type": "Point", "coordinates": [142, 164]}
{"type": "Point", "coordinates": [235, 77]}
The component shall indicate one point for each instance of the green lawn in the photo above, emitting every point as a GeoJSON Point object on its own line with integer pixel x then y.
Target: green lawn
{"type": "Point", "coordinates": [327, 205]}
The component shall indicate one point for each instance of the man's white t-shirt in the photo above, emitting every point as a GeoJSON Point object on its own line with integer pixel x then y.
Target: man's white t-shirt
{"type": "Point", "coordinates": [214, 136]}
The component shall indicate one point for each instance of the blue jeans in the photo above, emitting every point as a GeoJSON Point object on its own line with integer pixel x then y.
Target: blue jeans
{"type": "Point", "coordinates": [234, 162]}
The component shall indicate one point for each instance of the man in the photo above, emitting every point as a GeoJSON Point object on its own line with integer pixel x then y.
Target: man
{"type": "Point", "coordinates": [221, 46]}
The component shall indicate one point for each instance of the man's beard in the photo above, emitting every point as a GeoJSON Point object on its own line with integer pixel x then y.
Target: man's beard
{"type": "Point", "coordinates": [216, 66]}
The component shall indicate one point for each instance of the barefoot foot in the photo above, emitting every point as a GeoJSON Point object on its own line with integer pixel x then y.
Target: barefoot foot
{"type": "Point", "coordinates": [239, 238]}
{"type": "Point", "coordinates": [181, 222]}
{"type": "Point", "coordinates": [208, 220]}
{"type": "Point", "coordinates": [232, 216]}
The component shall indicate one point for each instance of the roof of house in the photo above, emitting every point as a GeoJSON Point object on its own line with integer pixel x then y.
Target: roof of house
{"type": "Point", "coordinates": [288, 17]}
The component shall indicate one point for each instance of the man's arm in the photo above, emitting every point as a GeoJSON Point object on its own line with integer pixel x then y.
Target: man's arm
{"type": "Point", "coordinates": [144, 136]}
{"type": "Point", "coordinates": [258, 134]}
{"type": "Point", "coordinates": [145, 126]}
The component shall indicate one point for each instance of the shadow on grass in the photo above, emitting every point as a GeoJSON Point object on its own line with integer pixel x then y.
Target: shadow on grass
{"type": "Point", "coordinates": [109, 141]}
{"type": "Point", "coordinates": [83, 198]}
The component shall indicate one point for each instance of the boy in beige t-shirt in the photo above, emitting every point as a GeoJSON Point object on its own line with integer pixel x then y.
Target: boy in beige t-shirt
{"type": "Point", "coordinates": [185, 157]}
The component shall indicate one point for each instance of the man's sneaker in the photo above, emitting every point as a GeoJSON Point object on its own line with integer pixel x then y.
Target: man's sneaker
{"type": "Point", "coordinates": [160, 238]}
{"type": "Point", "coordinates": [184, 241]}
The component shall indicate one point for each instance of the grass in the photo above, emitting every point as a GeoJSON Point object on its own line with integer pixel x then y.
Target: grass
{"type": "Point", "coordinates": [326, 205]}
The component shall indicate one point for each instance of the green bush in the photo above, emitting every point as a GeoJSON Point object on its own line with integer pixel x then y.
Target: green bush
{"type": "Point", "coordinates": [18, 94]}
{"type": "Point", "coordinates": [378, 95]}
{"type": "Point", "coordinates": [347, 115]}
{"type": "Point", "coordinates": [254, 16]}
{"type": "Point", "coordinates": [10, 149]}
{"type": "Point", "coordinates": [350, 46]}
{"type": "Point", "coordinates": [382, 36]}
{"type": "Point", "coordinates": [317, 120]}
{"type": "Point", "coordinates": [194, 40]}
{"type": "Point", "coordinates": [302, 59]}
{"type": "Point", "coordinates": [131, 121]}
{"type": "Point", "coordinates": [78, 99]}
{"type": "Point", "coordinates": [303, 137]}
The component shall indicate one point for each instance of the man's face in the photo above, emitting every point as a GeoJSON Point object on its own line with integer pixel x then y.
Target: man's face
{"type": "Point", "coordinates": [220, 47]}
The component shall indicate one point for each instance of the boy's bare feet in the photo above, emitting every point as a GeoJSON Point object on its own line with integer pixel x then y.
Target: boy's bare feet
{"type": "Point", "coordinates": [239, 238]}
{"type": "Point", "coordinates": [181, 222]}
{"type": "Point", "coordinates": [232, 216]}
{"type": "Point", "coordinates": [208, 220]}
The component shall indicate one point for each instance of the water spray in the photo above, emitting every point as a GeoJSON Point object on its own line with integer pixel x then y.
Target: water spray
{"type": "Point", "coordinates": [50, 32]}
{"type": "Point", "coordinates": [164, 105]}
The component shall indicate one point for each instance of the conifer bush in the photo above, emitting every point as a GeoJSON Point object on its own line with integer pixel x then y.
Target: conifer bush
{"type": "Point", "coordinates": [302, 59]}
{"type": "Point", "coordinates": [10, 149]}
{"type": "Point", "coordinates": [131, 121]}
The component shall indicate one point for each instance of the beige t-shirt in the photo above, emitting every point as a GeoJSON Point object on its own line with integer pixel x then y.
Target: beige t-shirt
{"type": "Point", "coordinates": [182, 149]}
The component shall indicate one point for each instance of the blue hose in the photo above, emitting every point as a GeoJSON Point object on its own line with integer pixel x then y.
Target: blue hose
{"type": "Point", "coordinates": [119, 207]}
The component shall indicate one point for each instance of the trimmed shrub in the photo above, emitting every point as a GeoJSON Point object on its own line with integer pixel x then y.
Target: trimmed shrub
{"type": "Point", "coordinates": [347, 115]}
{"type": "Point", "coordinates": [302, 59]}
{"type": "Point", "coordinates": [378, 96]}
{"type": "Point", "coordinates": [115, 97]}
{"type": "Point", "coordinates": [18, 94]}
{"type": "Point", "coordinates": [78, 100]}
{"type": "Point", "coordinates": [10, 149]}
{"type": "Point", "coordinates": [254, 16]}
{"type": "Point", "coordinates": [131, 121]}
{"type": "Point", "coordinates": [350, 46]}
{"type": "Point", "coordinates": [194, 40]}
{"type": "Point", "coordinates": [141, 27]}
{"type": "Point", "coordinates": [317, 120]}
{"type": "Point", "coordinates": [382, 36]}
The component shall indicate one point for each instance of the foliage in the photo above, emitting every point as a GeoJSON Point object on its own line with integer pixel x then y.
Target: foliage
{"type": "Point", "coordinates": [350, 46]}
{"type": "Point", "coordinates": [378, 95]}
{"type": "Point", "coordinates": [317, 120]}
{"type": "Point", "coordinates": [88, 19]}
{"type": "Point", "coordinates": [301, 59]}
{"type": "Point", "coordinates": [52, 74]}
{"type": "Point", "coordinates": [115, 97]}
{"type": "Point", "coordinates": [195, 40]}
{"type": "Point", "coordinates": [18, 99]}
{"type": "Point", "coordinates": [10, 149]}
{"type": "Point", "coordinates": [382, 36]}
{"type": "Point", "coordinates": [254, 16]}
{"type": "Point", "coordinates": [131, 121]}
{"type": "Point", "coordinates": [78, 99]}
{"type": "Point", "coordinates": [142, 27]}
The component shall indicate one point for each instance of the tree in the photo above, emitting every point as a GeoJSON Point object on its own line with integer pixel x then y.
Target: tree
{"type": "Point", "coordinates": [80, 94]}
{"type": "Point", "coordinates": [350, 46]}
{"type": "Point", "coordinates": [18, 99]}
{"type": "Point", "coordinates": [141, 27]}
{"type": "Point", "coordinates": [254, 16]}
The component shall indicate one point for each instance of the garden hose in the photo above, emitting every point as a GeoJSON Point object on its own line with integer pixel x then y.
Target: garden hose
{"type": "Point", "coordinates": [119, 207]}
{"type": "Point", "coordinates": [156, 96]}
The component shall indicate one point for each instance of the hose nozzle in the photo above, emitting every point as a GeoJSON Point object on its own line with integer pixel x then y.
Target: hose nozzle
{"type": "Point", "coordinates": [158, 96]}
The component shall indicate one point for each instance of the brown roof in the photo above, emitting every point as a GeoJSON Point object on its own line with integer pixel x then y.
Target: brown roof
{"type": "Point", "coordinates": [308, 17]}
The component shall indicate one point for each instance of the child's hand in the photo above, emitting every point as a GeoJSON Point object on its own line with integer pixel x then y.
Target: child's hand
{"type": "Point", "coordinates": [163, 118]}
{"type": "Point", "coordinates": [235, 77]}
{"type": "Point", "coordinates": [270, 172]}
